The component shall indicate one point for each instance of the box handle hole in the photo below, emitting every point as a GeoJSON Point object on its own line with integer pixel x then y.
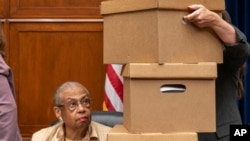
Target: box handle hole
{"type": "Point", "coordinates": [173, 88]}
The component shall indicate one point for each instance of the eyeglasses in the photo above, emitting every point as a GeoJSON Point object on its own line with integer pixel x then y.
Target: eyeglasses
{"type": "Point", "coordinates": [73, 104]}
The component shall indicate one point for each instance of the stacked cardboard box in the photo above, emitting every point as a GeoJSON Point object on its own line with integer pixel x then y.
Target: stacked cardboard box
{"type": "Point", "coordinates": [169, 68]}
{"type": "Point", "coordinates": [152, 31]}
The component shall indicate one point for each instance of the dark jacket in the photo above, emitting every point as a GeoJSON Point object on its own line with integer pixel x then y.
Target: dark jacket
{"type": "Point", "coordinates": [227, 111]}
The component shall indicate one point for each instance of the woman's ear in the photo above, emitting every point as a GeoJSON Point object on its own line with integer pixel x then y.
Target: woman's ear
{"type": "Point", "coordinates": [57, 112]}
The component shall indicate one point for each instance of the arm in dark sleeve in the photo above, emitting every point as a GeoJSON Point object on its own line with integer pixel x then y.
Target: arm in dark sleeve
{"type": "Point", "coordinates": [236, 54]}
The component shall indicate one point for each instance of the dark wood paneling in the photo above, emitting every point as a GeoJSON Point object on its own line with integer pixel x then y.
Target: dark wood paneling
{"type": "Point", "coordinates": [4, 8]}
{"type": "Point", "coordinates": [45, 54]}
{"type": "Point", "coordinates": [55, 9]}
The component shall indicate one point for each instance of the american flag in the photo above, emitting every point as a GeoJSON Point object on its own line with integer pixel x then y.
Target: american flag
{"type": "Point", "coordinates": [113, 94]}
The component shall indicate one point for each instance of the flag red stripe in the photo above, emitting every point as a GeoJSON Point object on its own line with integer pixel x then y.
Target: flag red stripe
{"type": "Point", "coordinates": [117, 84]}
{"type": "Point", "coordinates": [109, 105]}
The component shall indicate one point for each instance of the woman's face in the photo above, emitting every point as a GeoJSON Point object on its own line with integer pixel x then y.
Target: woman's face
{"type": "Point", "coordinates": [76, 108]}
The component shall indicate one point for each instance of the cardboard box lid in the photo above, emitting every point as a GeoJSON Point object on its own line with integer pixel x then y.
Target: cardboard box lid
{"type": "Point", "coordinates": [119, 132]}
{"type": "Point", "coordinates": [202, 70]}
{"type": "Point", "coordinates": [118, 6]}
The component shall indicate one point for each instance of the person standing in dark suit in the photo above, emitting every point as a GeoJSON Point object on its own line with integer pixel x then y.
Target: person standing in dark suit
{"type": "Point", "coordinates": [9, 130]}
{"type": "Point", "coordinates": [235, 53]}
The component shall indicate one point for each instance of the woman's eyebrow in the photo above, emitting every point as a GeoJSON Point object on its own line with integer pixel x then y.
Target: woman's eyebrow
{"type": "Point", "coordinates": [71, 98]}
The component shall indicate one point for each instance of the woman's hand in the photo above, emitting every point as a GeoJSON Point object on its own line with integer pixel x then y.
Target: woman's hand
{"type": "Point", "coordinates": [204, 18]}
{"type": "Point", "coordinates": [201, 16]}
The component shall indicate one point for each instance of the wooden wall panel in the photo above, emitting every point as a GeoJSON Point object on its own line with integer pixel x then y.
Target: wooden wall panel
{"type": "Point", "coordinates": [2, 8]}
{"type": "Point", "coordinates": [4, 5]}
{"type": "Point", "coordinates": [45, 54]}
{"type": "Point", "coordinates": [55, 8]}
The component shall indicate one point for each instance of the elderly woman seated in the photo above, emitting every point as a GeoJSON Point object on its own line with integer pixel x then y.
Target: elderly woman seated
{"type": "Point", "coordinates": [73, 108]}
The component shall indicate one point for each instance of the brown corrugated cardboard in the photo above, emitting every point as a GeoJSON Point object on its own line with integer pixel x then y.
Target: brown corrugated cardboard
{"type": "Point", "coordinates": [119, 6]}
{"type": "Point", "coordinates": [152, 31]}
{"type": "Point", "coordinates": [120, 133]}
{"type": "Point", "coordinates": [169, 97]}
{"type": "Point", "coordinates": [170, 70]}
